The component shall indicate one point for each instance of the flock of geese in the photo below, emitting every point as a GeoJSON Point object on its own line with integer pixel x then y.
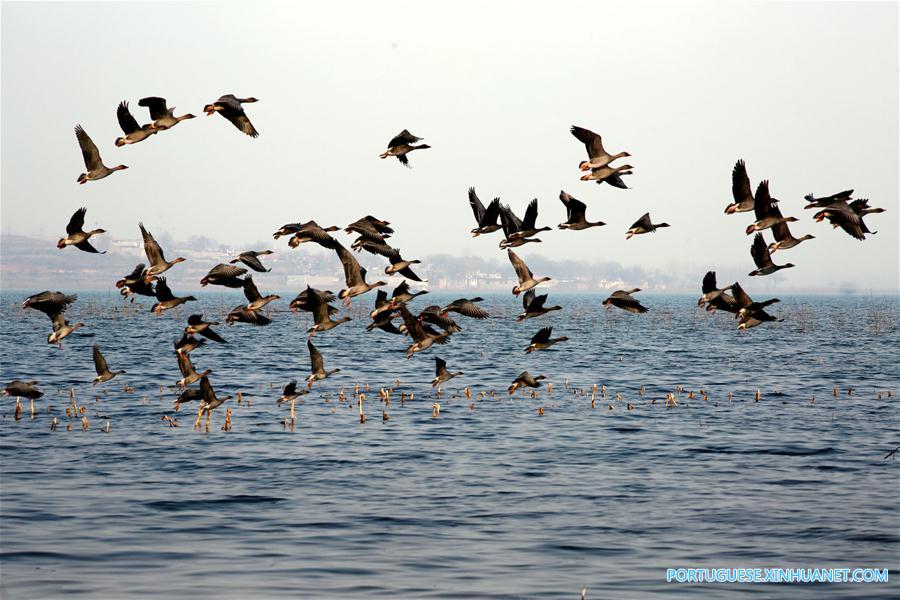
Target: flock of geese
{"type": "Point", "coordinates": [432, 325]}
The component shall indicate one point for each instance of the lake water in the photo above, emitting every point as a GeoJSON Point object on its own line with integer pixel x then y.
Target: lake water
{"type": "Point", "coordinates": [489, 499]}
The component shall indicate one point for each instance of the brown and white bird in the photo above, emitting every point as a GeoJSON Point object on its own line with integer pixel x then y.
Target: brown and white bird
{"type": "Point", "coordinates": [598, 157]}
{"type": "Point", "coordinates": [92, 162]}
{"type": "Point", "coordinates": [526, 277]}
{"type": "Point", "coordinates": [533, 306]}
{"type": "Point", "coordinates": [525, 380]}
{"type": "Point", "coordinates": [21, 389]}
{"type": "Point", "coordinates": [401, 145]}
{"type": "Point", "coordinates": [189, 374]}
{"type": "Point", "coordinates": [251, 259]}
{"type": "Point", "coordinates": [54, 304]}
{"type": "Point", "coordinates": [163, 116]}
{"type": "Point", "coordinates": [750, 313]}
{"type": "Point", "coordinates": [423, 337]}
{"type": "Point", "coordinates": [134, 133]}
{"type": "Point", "coordinates": [623, 299]}
{"type": "Point", "coordinates": [76, 236]}
{"type": "Point", "coordinates": [740, 190]}
{"type": "Point", "coordinates": [715, 297]}
{"type": "Point", "coordinates": [321, 309]}
{"type": "Point", "coordinates": [441, 373]}
{"type": "Point", "coordinates": [643, 225]}
{"type": "Point", "coordinates": [783, 238]}
{"type": "Point", "coordinates": [197, 326]}
{"type": "Point", "coordinates": [466, 307]}
{"type": "Point", "coordinates": [103, 372]}
{"type": "Point", "coordinates": [158, 262]}
{"type": "Point", "coordinates": [224, 275]}
{"type": "Point", "coordinates": [760, 253]}
{"type": "Point", "coordinates": [255, 299]}
{"type": "Point", "coordinates": [485, 218]}
{"type": "Point", "coordinates": [849, 217]}
{"type": "Point", "coordinates": [229, 106]}
{"type": "Point", "coordinates": [354, 276]}
{"type": "Point", "coordinates": [166, 300]}
{"type": "Point", "coordinates": [575, 209]}
{"type": "Point", "coordinates": [763, 205]}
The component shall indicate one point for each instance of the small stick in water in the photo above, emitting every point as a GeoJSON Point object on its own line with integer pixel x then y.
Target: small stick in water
{"type": "Point", "coordinates": [757, 395]}
{"type": "Point", "coordinates": [53, 424]}
{"type": "Point", "coordinates": [18, 409]}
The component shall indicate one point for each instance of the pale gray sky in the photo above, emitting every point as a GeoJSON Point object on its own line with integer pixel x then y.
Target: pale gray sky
{"type": "Point", "coordinates": [806, 93]}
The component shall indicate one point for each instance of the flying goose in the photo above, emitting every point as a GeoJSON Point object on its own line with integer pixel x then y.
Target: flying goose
{"type": "Point", "coordinates": [485, 218]}
{"type": "Point", "coordinates": [838, 199]}
{"type": "Point", "coordinates": [401, 145]}
{"type": "Point", "coordinates": [511, 225]}
{"type": "Point", "coordinates": [542, 341]}
{"type": "Point", "coordinates": [163, 117]}
{"type": "Point", "coordinates": [92, 162]}
{"type": "Point", "coordinates": [224, 275]}
{"type": "Point", "coordinates": [321, 311]}
{"type": "Point", "coordinates": [229, 106]}
{"type": "Point", "coordinates": [615, 180]}
{"type": "Point", "coordinates": [604, 173]}
{"type": "Point", "coordinates": [598, 157]}
{"type": "Point", "coordinates": [760, 253]}
{"type": "Point", "coordinates": [398, 265]}
{"type": "Point", "coordinates": [762, 208]}
{"type": "Point", "coordinates": [187, 395]}
{"type": "Point", "coordinates": [189, 374]}
{"type": "Point", "coordinates": [255, 299]}
{"type": "Point", "coordinates": [575, 209]}
{"type": "Point", "coordinates": [210, 401]}
{"type": "Point", "coordinates": [196, 325]}
{"type": "Point", "coordinates": [533, 306]}
{"type": "Point", "coordinates": [21, 389]}
{"type": "Point", "coordinates": [526, 277]}
{"type": "Point", "coordinates": [715, 297]}
{"type": "Point", "coordinates": [466, 307]}
{"type": "Point", "coordinates": [354, 276]}
{"type": "Point", "coordinates": [441, 374]}
{"type": "Point", "coordinates": [371, 228]}
{"type": "Point", "coordinates": [422, 337]}
{"type": "Point", "coordinates": [849, 217]}
{"type": "Point", "coordinates": [165, 299]}
{"type": "Point", "coordinates": [783, 237]}
{"type": "Point", "coordinates": [242, 314]}
{"type": "Point", "coordinates": [251, 259]}
{"type": "Point", "coordinates": [158, 262]}
{"type": "Point", "coordinates": [400, 295]}
{"type": "Point", "coordinates": [528, 227]}
{"type": "Point", "coordinates": [434, 314]}
{"type": "Point", "coordinates": [643, 225]}
{"type": "Point", "coordinates": [290, 393]}
{"type": "Point", "coordinates": [76, 236]}
{"type": "Point", "coordinates": [134, 133]}
{"type": "Point", "coordinates": [307, 232]}
{"type": "Point", "coordinates": [134, 283]}
{"type": "Point", "coordinates": [54, 304]}
{"type": "Point", "coordinates": [525, 380]}
{"type": "Point", "coordinates": [754, 319]}
{"type": "Point", "coordinates": [103, 372]}
{"type": "Point", "coordinates": [746, 305]}
{"type": "Point", "coordinates": [623, 299]}
{"type": "Point", "coordinates": [740, 190]}
{"type": "Point", "coordinates": [317, 366]}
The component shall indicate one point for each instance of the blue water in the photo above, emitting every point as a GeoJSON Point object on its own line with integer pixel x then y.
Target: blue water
{"type": "Point", "coordinates": [489, 501]}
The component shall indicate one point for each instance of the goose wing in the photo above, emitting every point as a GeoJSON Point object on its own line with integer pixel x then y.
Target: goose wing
{"type": "Point", "coordinates": [527, 299]}
{"type": "Point", "coordinates": [253, 262]}
{"type": "Point", "coordinates": [76, 223]}
{"type": "Point", "coordinates": [762, 201]}
{"type": "Point", "coordinates": [709, 282]}
{"type": "Point", "coordinates": [250, 290]}
{"type": "Point", "coordinates": [575, 209]}
{"type": "Point", "coordinates": [184, 364]}
{"type": "Point", "coordinates": [315, 358]}
{"type": "Point", "coordinates": [593, 143]}
{"type": "Point", "coordinates": [413, 325]}
{"type": "Point", "coordinates": [353, 273]}
{"type": "Point", "coordinates": [151, 248]}
{"type": "Point", "coordinates": [542, 336]}
{"type": "Point", "coordinates": [740, 182]}
{"type": "Point", "coordinates": [50, 303]}
{"type": "Point", "coordinates": [440, 366]}
{"type": "Point", "coordinates": [126, 121]}
{"type": "Point", "coordinates": [86, 246]}
{"type": "Point", "coordinates": [156, 105]}
{"type": "Point", "coordinates": [740, 296]}
{"type": "Point", "coordinates": [643, 222]}
{"type": "Point", "coordinates": [477, 207]}
{"type": "Point", "coordinates": [404, 137]}
{"type": "Point", "coordinates": [470, 309]}
{"type": "Point", "coordinates": [88, 149]}
{"type": "Point", "coordinates": [522, 270]}
{"type": "Point", "coordinates": [99, 362]}
{"type": "Point", "coordinates": [780, 230]}
{"type": "Point", "coordinates": [760, 252]}
{"type": "Point", "coordinates": [531, 214]}
{"type": "Point", "coordinates": [163, 293]}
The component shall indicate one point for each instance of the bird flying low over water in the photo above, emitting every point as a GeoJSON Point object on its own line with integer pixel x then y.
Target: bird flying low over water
{"type": "Point", "coordinates": [714, 297]}
{"type": "Point", "coordinates": [317, 366]}
{"type": "Point", "coordinates": [401, 145]}
{"type": "Point", "coordinates": [92, 162]}
{"type": "Point", "coordinates": [158, 262]}
{"type": "Point", "coordinates": [229, 106]}
{"type": "Point", "coordinates": [21, 389]}
{"type": "Point", "coordinates": [321, 309]}
{"type": "Point", "coordinates": [189, 374]}
{"type": "Point", "coordinates": [643, 225]}
{"type": "Point", "coordinates": [354, 276]}
{"type": "Point", "coordinates": [533, 306]}
{"type": "Point", "coordinates": [166, 300]}
{"type": "Point", "coordinates": [251, 259]}
{"type": "Point", "coordinates": [76, 236]}
{"type": "Point", "coordinates": [441, 374]}
{"type": "Point", "coordinates": [163, 117]}
{"type": "Point", "coordinates": [528, 226]}
{"type": "Point", "coordinates": [307, 301]}
{"type": "Point", "coordinates": [54, 304]}
{"type": "Point", "coordinates": [383, 315]}
{"type": "Point", "coordinates": [525, 380]}
{"type": "Point", "coordinates": [760, 253]}
{"type": "Point", "coordinates": [307, 232]}
{"type": "Point", "coordinates": [750, 313]}
{"type": "Point", "coordinates": [423, 337]}
{"type": "Point", "coordinates": [196, 325]}
{"type": "Point", "coordinates": [542, 340]}
{"type": "Point", "coordinates": [134, 133]}
{"type": "Point", "coordinates": [135, 284]}
{"type": "Point", "coordinates": [512, 226]}
{"type": "Point", "coordinates": [593, 143]}
{"type": "Point", "coordinates": [210, 401]}
{"type": "Point", "coordinates": [187, 344]}
{"type": "Point", "coordinates": [485, 218]}
{"type": "Point", "coordinates": [103, 372]}
{"type": "Point", "coordinates": [623, 299]}
{"type": "Point", "coordinates": [242, 314]}
{"type": "Point", "coordinates": [526, 277]}
{"type": "Point", "coordinates": [289, 393]}
{"type": "Point", "coordinates": [575, 209]}
{"type": "Point", "coordinates": [840, 213]}
{"type": "Point", "coordinates": [255, 299]}
{"type": "Point", "coordinates": [466, 307]}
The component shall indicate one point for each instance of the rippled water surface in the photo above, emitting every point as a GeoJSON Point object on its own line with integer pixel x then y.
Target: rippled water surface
{"type": "Point", "coordinates": [489, 499]}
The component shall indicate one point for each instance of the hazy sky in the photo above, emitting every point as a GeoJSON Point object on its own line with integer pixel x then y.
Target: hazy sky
{"type": "Point", "coordinates": [806, 93]}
